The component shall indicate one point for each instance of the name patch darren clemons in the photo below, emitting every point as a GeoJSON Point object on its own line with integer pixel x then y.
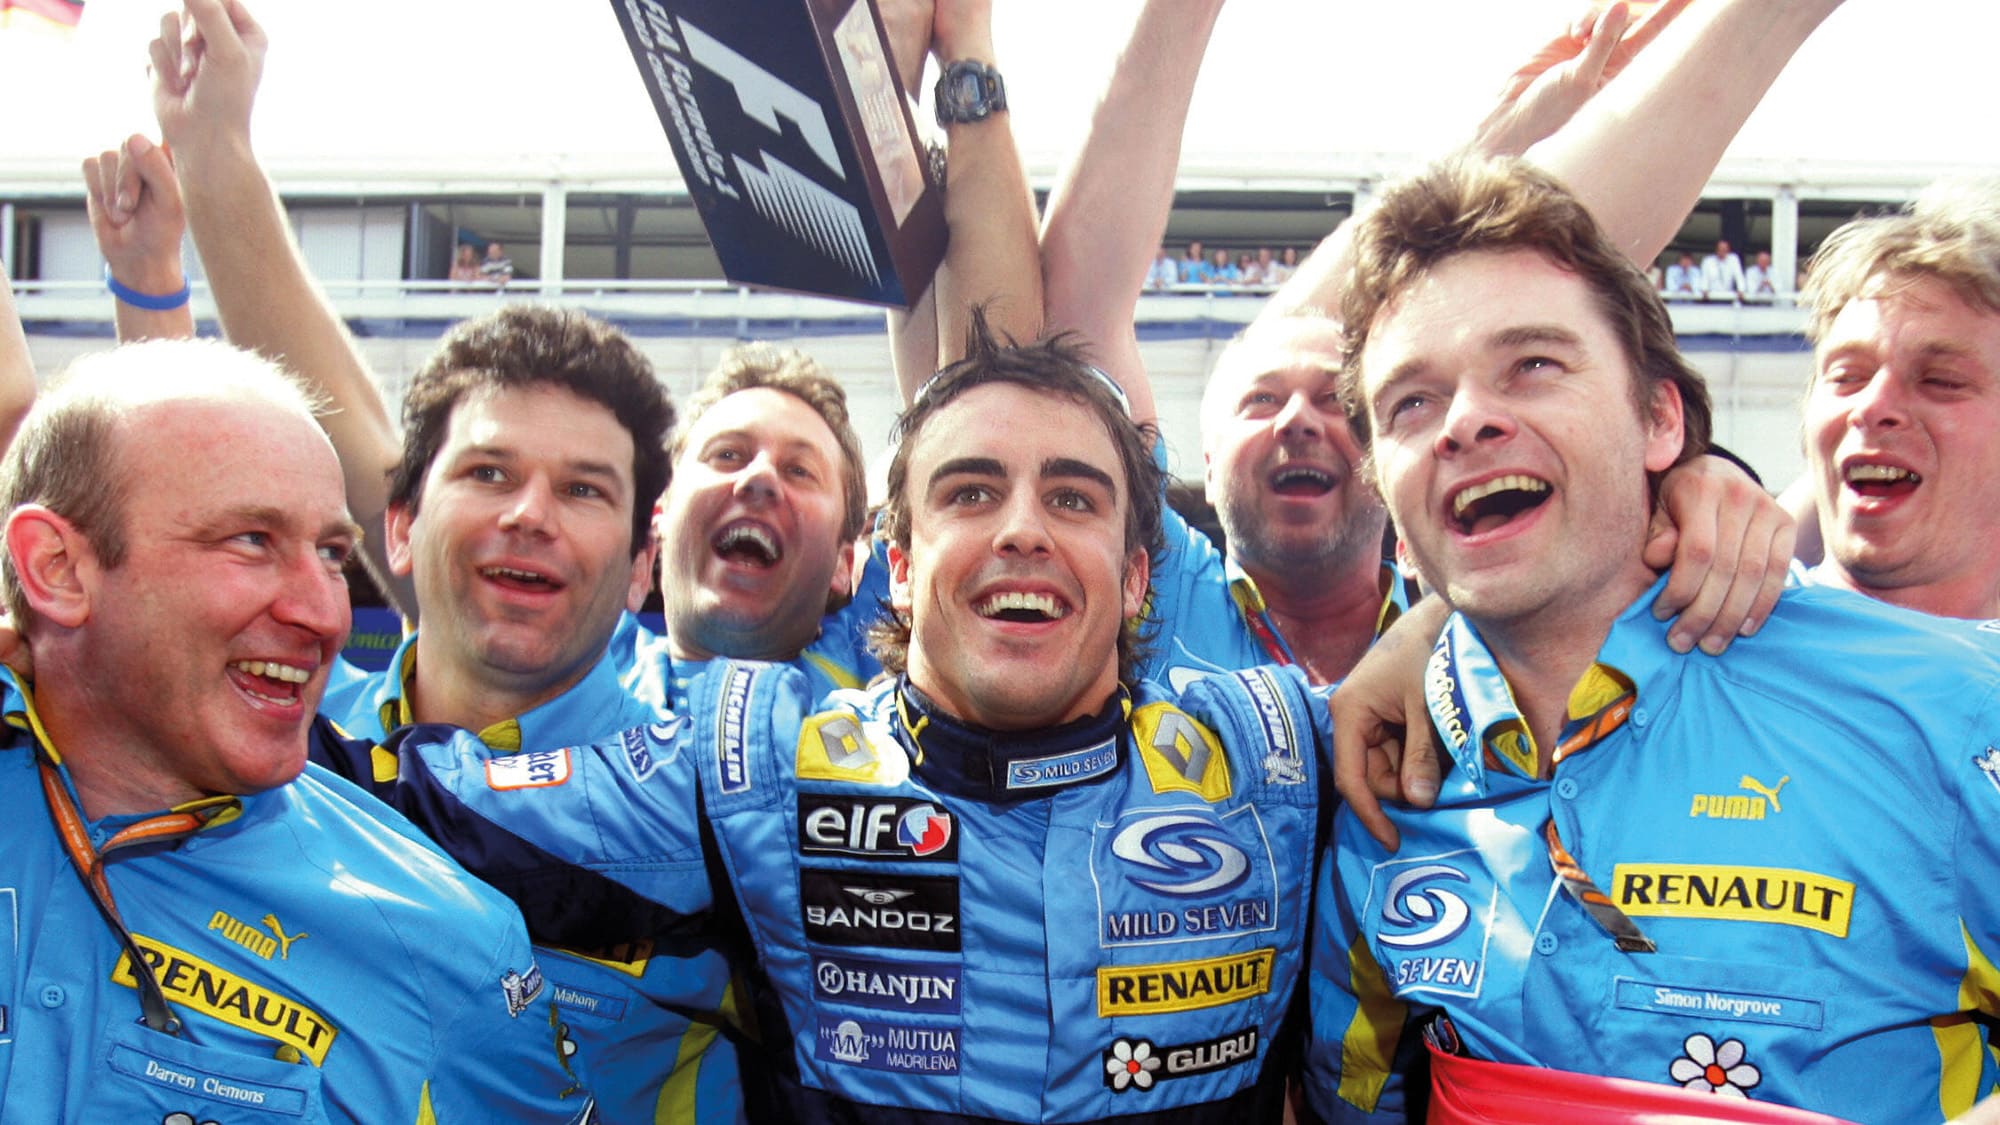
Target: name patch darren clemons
{"type": "Point", "coordinates": [1182, 986]}
{"type": "Point", "coordinates": [214, 991]}
{"type": "Point", "coordinates": [857, 908]}
{"type": "Point", "coordinates": [1736, 894]}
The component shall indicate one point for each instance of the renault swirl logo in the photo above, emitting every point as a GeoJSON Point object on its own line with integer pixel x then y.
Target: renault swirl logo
{"type": "Point", "coordinates": [1431, 914]}
{"type": "Point", "coordinates": [1187, 855]}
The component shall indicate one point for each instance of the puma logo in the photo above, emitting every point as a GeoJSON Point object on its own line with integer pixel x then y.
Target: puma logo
{"type": "Point", "coordinates": [285, 940]}
{"type": "Point", "coordinates": [1770, 794]}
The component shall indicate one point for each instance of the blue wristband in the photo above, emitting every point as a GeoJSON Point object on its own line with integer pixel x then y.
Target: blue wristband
{"type": "Point", "coordinates": [163, 303]}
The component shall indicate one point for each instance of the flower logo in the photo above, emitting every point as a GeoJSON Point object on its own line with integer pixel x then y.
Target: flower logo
{"type": "Point", "coordinates": [1130, 1063]}
{"type": "Point", "coordinates": [1708, 1069]}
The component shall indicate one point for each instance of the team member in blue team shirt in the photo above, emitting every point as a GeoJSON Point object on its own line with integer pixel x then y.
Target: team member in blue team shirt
{"type": "Point", "coordinates": [202, 927]}
{"type": "Point", "coordinates": [1642, 868]}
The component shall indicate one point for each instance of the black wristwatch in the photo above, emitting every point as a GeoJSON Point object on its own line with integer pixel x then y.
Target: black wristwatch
{"type": "Point", "coordinates": [969, 91]}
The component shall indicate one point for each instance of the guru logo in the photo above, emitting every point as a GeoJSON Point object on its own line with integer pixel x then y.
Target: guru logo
{"type": "Point", "coordinates": [1136, 1064]}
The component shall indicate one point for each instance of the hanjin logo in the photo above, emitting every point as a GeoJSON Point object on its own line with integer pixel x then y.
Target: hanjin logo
{"type": "Point", "coordinates": [856, 908]}
{"type": "Point", "coordinates": [880, 829]}
{"type": "Point", "coordinates": [897, 986]}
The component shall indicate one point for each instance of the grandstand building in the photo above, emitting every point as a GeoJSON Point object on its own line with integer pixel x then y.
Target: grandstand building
{"type": "Point", "coordinates": [622, 246]}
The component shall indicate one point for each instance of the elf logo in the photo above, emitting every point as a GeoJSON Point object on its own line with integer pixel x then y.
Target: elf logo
{"type": "Point", "coordinates": [877, 829]}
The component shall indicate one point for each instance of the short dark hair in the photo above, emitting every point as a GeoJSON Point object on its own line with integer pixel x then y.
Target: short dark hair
{"type": "Point", "coordinates": [530, 346]}
{"type": "Point", "coordinates": [1055, 366]}
{"type": "Point", "coordinates": [1463, 205]}
{"type": "Point", "coordinates": [749, 366]}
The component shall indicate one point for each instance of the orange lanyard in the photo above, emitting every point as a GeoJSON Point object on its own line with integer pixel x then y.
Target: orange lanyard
{"type": "Point", "coordinates": [74, 832]}
{"type": "Point", "coordinates": [1613, 921]}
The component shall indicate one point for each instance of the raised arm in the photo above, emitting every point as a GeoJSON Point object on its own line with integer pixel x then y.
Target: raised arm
{"type": "Point", "coordinates": [1539, 99]}
{"type": "Point", "coordinates": [134, 201]}
{"type": "Point", "coordinates": [17, 369]}
{"type": "Point", "coordinates": [1640, 153]}
{"type": "Point", "coordinates": [993, 259]}
{"type": "Point", "coordinates": [1109, 210]}
{"type": "Point", "coordinates": [205, 82]}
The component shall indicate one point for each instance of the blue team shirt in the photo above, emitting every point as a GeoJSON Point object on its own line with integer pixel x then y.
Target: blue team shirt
{"type": "Point", "coordinates": [624, 1002]}
{"type": "Point", "coordinates": [1205, 615]}
{"type": "Point", "coordinates": [1805, 827]}
{"type": "Point", "coordinates": [326, 965]}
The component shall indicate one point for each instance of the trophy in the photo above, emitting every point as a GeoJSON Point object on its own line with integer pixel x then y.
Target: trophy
{"type": "Point", "coordinates": [796, 142]}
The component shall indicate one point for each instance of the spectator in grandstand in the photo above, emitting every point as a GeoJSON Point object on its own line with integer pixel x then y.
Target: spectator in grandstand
{"type": "Point", "coordinates": [465, 267]}
{"type": "Point", "coordinates": [1282, 270]}
{"type": "Point", "coordinates": [1683, 281]}
{"type": "Point", "coordinates": [134, 201]}
{"type": "Point", "coordinates": [1165, 274]}
{"type": "Point", "coordinates": [225, 932]}
{"type": "Point", "coordinates": [1561, 917]}
{"type": "Point", "coordinates": [1249, 271]}
{"type": "Point", "coordinates": [1722, 274]}
{"type": "Point", "coordinates": [1221, 270]}
{"type": "Point", "coordinates": [1758, 284]}
{"type": "Point", "coordinates": [497, 269]}
{"type": "Point", "coordinates": [1902, 420]}
{"type": "Point", "coordinates": [1267, 267]}
{"type": "Point", "coordinates": [1195, 269]}
{"type": "Point", "coordinates": [1304, 581]}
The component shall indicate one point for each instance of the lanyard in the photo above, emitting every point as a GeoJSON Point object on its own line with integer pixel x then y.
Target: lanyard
{"type": "Point", "coordinates": [74, 832]}
{"type": "Point", "coordinates": [1591, 730]}
{"type": "Point", "coordinates": [1256, 619]}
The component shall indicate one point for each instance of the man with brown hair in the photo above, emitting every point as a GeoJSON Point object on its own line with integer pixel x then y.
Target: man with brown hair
{"type": "Point", "coordinates": [1643, 867]}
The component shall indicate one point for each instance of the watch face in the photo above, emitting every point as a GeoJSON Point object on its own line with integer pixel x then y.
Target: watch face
{"type": "Point", "coordinates": [964, 90]}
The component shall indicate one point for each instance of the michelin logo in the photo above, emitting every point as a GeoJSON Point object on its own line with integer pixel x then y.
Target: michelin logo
{"type": "Point", "coordinates": [732, 756]}
{"type": "Point", "coordinates": [1282, 765]}
{"type": "Point", "coordinates": [1989, 764]}
{"type": "Point", "coordinates": [520, 989]}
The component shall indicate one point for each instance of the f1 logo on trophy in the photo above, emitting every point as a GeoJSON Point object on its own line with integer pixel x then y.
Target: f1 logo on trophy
{"type": "Point", "coordinates": [795, 141]}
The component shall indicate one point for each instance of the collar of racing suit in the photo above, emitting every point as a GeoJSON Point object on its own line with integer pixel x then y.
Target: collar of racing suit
{"type": "Point", "coordinates": [965, 760]}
